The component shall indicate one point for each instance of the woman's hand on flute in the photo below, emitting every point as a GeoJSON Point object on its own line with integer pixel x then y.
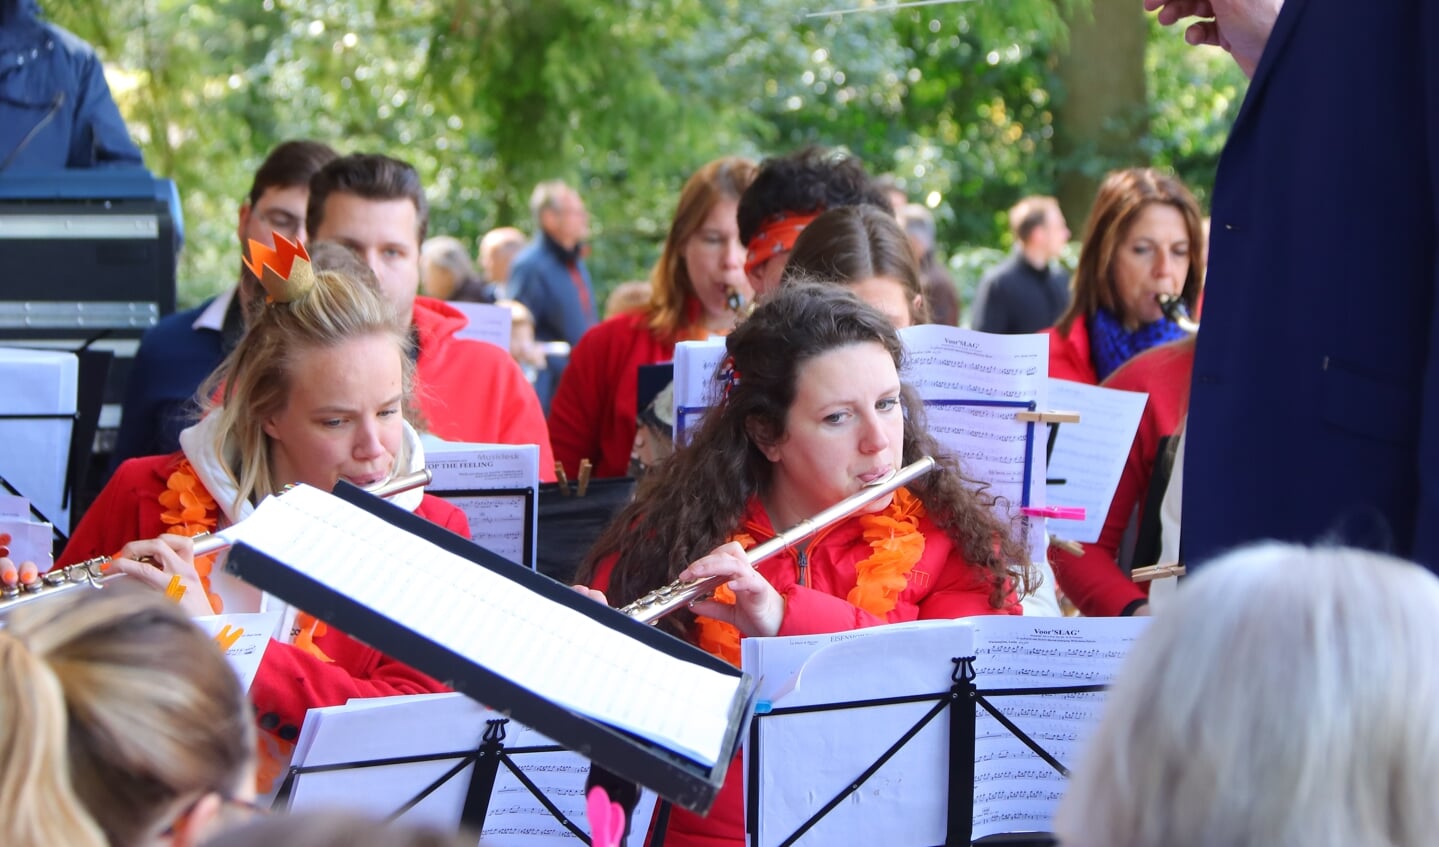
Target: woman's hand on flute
{"type": "Point", "coordinates": [758, 609]}
{"type": "Point", "coordinates": [591, 593]}
{"type": "Point", "coordinates": [170, 556]}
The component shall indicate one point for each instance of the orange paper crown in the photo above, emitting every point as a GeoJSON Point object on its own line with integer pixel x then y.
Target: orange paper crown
{"type": "Point", "coordinates": [283, 270]}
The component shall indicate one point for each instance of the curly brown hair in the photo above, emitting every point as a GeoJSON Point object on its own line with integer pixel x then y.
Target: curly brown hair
{"type": "Point", "coordinates": [693, 501]}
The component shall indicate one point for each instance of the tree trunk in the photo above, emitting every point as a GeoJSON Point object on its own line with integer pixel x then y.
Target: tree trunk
{"type": "Point", "coordinates": [1101, 112]}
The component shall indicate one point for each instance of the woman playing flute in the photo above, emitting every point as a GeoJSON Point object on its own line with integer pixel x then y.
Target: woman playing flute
{"type": "Point", "coordinates": [812, 411]}
{"type": "Point", "coordinates": [313, 393]}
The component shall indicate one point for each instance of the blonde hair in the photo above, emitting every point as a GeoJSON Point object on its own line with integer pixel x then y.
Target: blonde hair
{"type": "Point", "coordinates": [255, 379]}
{"type": "Point", "coordinates": [115, 712]}
{"type": "Point", "coordinates": [1284, 699]}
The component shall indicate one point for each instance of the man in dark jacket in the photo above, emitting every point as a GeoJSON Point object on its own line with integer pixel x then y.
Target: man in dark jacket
{"type": "Point", "coordinates": [1313, 411]}
{"type": "Point", "coordinates": [55, 106]}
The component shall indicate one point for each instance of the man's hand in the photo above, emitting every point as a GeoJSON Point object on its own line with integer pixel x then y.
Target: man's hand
{"type": "Point", "coordinates": [1241, 27]}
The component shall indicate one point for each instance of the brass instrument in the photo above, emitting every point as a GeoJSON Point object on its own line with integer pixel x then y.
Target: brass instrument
{"type": "Point", "coordinates": [91, 571]}
{"type": "Point", "coordinates": [736, 302]}
{"type": "Point", "coordinates": [675, 596]}
{"type": "Point", "coordinates": [1173, 307]}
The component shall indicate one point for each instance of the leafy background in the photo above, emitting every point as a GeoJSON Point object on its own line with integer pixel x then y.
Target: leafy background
{"type": "Point", "coordinates": [626, 98]}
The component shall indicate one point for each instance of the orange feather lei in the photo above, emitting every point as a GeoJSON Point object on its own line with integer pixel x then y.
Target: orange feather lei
{"type": "Point", "coordinates": [188, 509]}
{"type": "Point", "coordinates": [897, 544]}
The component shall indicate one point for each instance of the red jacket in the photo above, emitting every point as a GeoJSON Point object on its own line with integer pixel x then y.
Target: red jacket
{"type": "Point", "coordinates": [290, 681]}
{"type": "Point", "coordinates": [472, 391]}
{"type": "Point", "coordinates": [592, 415]}
{"type": "Point", "coordinates": [943, 584]}
{"type": "Point", "coordinates": [1094, 581]}
{"type": "Point", "coordinates": [1069, 355]}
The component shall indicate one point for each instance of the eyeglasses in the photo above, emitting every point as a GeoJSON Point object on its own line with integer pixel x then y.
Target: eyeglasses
{"type": "Point", "coordinates": [243, 810]}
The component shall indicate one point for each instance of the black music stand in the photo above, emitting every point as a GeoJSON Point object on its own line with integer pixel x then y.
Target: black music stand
{"type": "Point", "coordinates": [960, 702]}
{"type": "Point", "coordinates": [667, 772]}
{"type": "Point", "coordinates": [486, 759]}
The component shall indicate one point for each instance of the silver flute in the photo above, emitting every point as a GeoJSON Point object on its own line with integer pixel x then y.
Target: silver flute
{"type": "Point", "coordinates": [91, 572]}
{"type": "Point", "coordinates": [679, 594]}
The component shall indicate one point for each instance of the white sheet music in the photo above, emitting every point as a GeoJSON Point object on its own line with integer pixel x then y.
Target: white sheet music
{"type": "Point", "coordinates": [556, 652]}
{"type": "Point", "coordinates": [41, 383]}
{"type": "Point", "coordinates": [488, 323]}
{"type": "Point", "coordinates": [1089, 456]}
{"type": "Point", "coordinates": [904, 803]}
{"type": "Point", "coordinates": [951, 364]}
{"type": "Point", "coordinates": [1016, 790]}
{"type": "Point", "coordinates": [497, 521]}
{"type": "Point", "coordinates": [695, 386]}
{"type": "Point", "coordinates": [392, 727]}
{"type": "Point", "coordinates": [255, 631]}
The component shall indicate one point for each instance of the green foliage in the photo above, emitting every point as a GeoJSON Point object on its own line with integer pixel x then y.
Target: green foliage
{"type": "Point", "coordinates": [1194, 96]}
{"type": "Point", "coordinates": [625, 98]}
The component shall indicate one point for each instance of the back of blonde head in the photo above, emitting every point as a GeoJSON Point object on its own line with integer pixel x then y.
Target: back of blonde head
{"type": "Point", "coordinates": [115, 713]}
{"type": "Point", "coordinates": [344, 304]}
{"type": "Point", "coordinates": [1284, 700]}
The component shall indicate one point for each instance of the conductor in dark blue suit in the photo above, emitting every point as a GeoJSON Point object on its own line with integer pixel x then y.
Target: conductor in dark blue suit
{"type": "Point", "coordinates": [1314, 413]}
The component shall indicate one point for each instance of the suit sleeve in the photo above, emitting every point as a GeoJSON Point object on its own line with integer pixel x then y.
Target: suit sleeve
{"type": "Point", "coordinates": [1426, 540]}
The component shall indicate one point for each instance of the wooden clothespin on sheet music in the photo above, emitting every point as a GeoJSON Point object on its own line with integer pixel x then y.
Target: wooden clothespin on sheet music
{"type": "Point", "coordinates": [1052, 419]}
{"type": "Point", "coordinates": [1154, 572]}
{"type": "Point", "coordinates": [582, 484]}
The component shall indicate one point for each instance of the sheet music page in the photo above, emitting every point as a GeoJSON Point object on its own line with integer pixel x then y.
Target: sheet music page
{"type": "Point", "coordinates": [1014, 789]}
{"type": "Point", "coordinates": [497, 522]}
{"type": "Point", "coordinates": [12, 506]}
{"type": "Point", "coordinates": [393, 727]}
{"type": "Point", "coordinates": [248, 648]}
{"type": "Point", "coordinates": [38, 382]}
{"type": "Point", "coordinates": [556, 652]}
{"type": "Point", "coordinates": [488, 323]}
{"type": "Point", "coordinates": [695, 385]}
{"type": "Point", "coordinates": [946, 364]}
{"type": "Point", "coordinates": [30, 541]}
{"type": "Point", "coordinates": [903, 803]}
{"type": "Point", "coordinates": [1089, 456]}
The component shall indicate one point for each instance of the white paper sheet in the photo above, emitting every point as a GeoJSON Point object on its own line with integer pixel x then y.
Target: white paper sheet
{"type": "Point", "coordinates": [393, 727]}
{"type": "Point", "coordinates": [1016, 790]}
{"type": "Point", "coordinates": [695, 387]}
{"type": "Point", "coordinates": [488, 323]}
{"type": "Point", "coordinates": [30, 541]}
{"type": "Point", "coordinates": [556, 652]}
{"type": "Point", "coordinates": [947, 365]}
{"type": "Point", "coordinates": [38, 382]}
{"type": "Point", "coordinates": [497, 521]}
{"type": "Point", "coordinates": [903, 803]}
{"type": "Point", "coordinates": [1089, 456]}
{"type": "Point", "coordinates": [256, 629]}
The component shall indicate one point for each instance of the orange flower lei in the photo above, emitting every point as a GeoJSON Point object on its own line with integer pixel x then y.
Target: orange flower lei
{"type": "Point", "coordinates": [188, 509]}
{"type": "Point", "coordinates": [893, 534]}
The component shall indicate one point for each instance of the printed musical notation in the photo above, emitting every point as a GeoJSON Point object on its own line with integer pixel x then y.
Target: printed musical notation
{"type": "Point", "coordinates": [957, 372]}
{"type": "Point", "coordinates": [1015, 788]}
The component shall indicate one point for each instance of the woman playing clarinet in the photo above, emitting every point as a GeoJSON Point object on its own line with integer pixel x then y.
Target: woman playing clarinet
{"type": "Point", "coordinates": [813, 410]}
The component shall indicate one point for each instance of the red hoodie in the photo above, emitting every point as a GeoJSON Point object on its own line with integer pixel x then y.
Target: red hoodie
{"type": "Point", "coordinates": [473, 391]}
